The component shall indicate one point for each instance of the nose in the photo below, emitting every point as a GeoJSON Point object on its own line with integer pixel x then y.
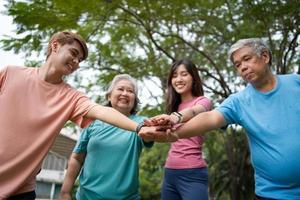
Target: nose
{"type": "Point", "coordinates": [243, 67]}
{"type": "Point", "coordinates": [76, 62]}
{"type": "Point", "coordinates": [178, 78]}
{"type": "Point", "coordinates": [125, 93]}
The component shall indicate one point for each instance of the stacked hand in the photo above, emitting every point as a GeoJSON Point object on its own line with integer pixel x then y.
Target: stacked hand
{"type": "Point", "coordinates": [159, 129]}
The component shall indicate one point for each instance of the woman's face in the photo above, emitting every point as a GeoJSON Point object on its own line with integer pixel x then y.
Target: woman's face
{"type": "Point", "coordinates": [182, 81]}
{"type": "Point", "coordinates": [122, 97]}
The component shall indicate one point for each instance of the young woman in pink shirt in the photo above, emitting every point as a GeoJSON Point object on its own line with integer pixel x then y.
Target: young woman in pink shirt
{"type": "Point", "coordinates": [186, 175]}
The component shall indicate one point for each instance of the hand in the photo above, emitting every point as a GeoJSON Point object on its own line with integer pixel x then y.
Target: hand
{"type": "Point", "coordinates": [148, 133]}
{"type": "Point", "coordinates": [65, 196]}
{"type": "Point", "coordinates": [169, 136]}
{"type": "Point", "coordinates": [153, 134]}
{"type": "Point", "coordinates": [161, 120]}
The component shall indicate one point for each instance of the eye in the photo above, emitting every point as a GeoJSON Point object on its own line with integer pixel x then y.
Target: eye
{"type": "Point", "coordinates": [184, 74]}
{"type": "Point", "coordinates": [73, 53]}
{"type": "Point", "coordinates": [247, 58]}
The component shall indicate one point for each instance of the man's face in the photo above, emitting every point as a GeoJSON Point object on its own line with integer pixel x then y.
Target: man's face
{"type": "Point", "coordinates": [250, 66]}
{"type": "Point", "coordinates": [68, 57]}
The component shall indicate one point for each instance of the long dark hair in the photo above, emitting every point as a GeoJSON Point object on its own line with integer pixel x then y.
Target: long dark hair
{"type": "Point", "coordinates": [173, 98]}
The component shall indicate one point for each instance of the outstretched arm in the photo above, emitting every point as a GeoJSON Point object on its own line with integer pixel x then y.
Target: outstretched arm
{"type": "Point", "coordinates": [198, 125]}
{"type": "Point", "coordinates": [201, 124]}
{"type": "Point", "coordinates": [111, 116]}
{"type": "Point", "coordinates": [176, 117]}
{"type": "Point", "coordinates": [74, 167]}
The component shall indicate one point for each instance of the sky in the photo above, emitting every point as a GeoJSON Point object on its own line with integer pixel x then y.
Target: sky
{"type": "Point", "coordinates": [7, 28]}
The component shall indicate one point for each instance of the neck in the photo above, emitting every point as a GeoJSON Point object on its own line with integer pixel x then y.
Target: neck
{"type": "Point", "coordinates": [266, 84]}
{"type": "Point", "coordinates": [124, 112]}
{"type": "Point", "coordinates": [186, 97]}
{"type": "Point", "coordinates": [48, 74]}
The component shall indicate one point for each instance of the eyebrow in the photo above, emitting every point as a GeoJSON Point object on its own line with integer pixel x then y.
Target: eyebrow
{"type": "Point", "coordinates": [77, 52]}
{"type": "Point", "coordinates": [243, 57]}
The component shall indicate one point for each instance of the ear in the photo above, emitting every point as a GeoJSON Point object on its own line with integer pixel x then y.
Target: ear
{"type": "Point", "coordinates": [54, 46]}
{"type": "Point", "coordinates": [108, 97]}
{"type": "Point", "coordinates": [266, 57]}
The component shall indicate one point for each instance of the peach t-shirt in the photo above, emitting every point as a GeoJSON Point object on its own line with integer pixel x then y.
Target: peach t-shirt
{"type": "Point", "coordinates": [32, 113]}
{"type": "Point", "coordinates": [187, 153]}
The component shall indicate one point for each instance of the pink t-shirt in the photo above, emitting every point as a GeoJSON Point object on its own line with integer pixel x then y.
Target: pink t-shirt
{"type": "Point", "coordinates": [187, 153]}
{"type": "Point", "coordinates": [32, 113]}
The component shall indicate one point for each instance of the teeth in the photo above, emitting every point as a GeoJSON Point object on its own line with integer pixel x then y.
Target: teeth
{"type": "Point", "coordinates": [179, 86]}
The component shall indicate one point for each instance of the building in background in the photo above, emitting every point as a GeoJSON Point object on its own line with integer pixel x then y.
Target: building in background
{"type": "Point", "coordinates": [51, 176]}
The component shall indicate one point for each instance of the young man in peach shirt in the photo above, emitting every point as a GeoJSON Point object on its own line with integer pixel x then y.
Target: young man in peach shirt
{"type": "Point", "coordinates": [35, 103]}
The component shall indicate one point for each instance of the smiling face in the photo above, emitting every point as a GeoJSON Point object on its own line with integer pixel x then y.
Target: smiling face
{"type": "Point", "coordinates": [250, 66]}
{"type": "Point", "coordinates": [182, 82]}
{"type": "Point", "coordinates": [66, 58]}
{"type": "Point", "coordinates": [122, 97]}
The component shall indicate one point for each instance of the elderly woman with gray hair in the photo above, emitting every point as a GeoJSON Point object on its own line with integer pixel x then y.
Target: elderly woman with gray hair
{"type": "Point", "coordinates": [108, 156]}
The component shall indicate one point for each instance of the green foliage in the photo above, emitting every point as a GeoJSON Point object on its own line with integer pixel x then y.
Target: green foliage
{"type": "Point", "coordinates": [229, 160]}
{"type": "Point", "coordinates": [151, 171]}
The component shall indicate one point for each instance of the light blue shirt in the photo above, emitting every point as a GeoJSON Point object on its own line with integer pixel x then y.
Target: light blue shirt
{"type": "Point", "coordinates": [110, 169]}
{"type": "Point", "coordinates": [272, 123]}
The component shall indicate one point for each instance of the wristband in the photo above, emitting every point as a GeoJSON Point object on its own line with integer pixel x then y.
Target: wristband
{"type": "Point", "coordinates": [179, 115]}
{"type": "Point", "coordinates": [139, 127]}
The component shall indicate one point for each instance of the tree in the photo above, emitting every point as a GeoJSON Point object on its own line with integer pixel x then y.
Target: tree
{"type": "Point", "coordinates": [142, 38]}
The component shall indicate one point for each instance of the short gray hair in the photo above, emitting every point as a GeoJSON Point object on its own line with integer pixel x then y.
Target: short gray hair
{"type": "Point", "coordinates": [119, 78]}
{"type": "Point", "coordinates": [258, 46]}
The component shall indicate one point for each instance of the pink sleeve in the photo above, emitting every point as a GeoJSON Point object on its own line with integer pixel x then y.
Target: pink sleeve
{"type": "Point", "coordinates": [205, 102]}
{"type": "Point", "coordinates": [82, 106]}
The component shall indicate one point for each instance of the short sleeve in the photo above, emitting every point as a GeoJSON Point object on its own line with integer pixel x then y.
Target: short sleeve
{"type": "Point", "coordinates": [82, 142]}
{"type": "Point", "coordinates": [229, 108]}
{"type": "Point", "coordinates": [81, 107]}
{"type": "Point", "coordinates": [140, 119]}
{"type": "Point", "coordinates": [205, 102]}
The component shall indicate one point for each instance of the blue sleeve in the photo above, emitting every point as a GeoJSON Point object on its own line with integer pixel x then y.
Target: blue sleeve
{"type": "Point", "coordinates": [229, 108]}
{"type": "Point", "coordinates": [82, 142]}
{"type": "Point", "coordinates": [143, 143]}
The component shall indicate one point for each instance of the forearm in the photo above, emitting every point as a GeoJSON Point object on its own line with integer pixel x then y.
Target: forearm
{"type": "Point", "coordinates": [186, 114]}
{"type": "Point", "coordinates": [189, 113]}
{"type": "Point", "coordinates": [112, 116]}
{"type": "Point", "coordinates": [74, 167]}
{"type": "Point", "coordinates": [201, 124]}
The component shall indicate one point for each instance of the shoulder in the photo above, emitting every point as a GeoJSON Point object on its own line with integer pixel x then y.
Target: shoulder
{"type": "Point", "coordinates": [68, 90]}
{"type": "Point", "coordinates": [16, 68]}
{"type": "Point", "coordinates": [94, 127]}
{"type": "Point", "coordinates": [289, 77]}
{"type": "Point", "coordinates": [17, 72]}
{"type": "Point", "coordinates": [204, 101]}
{"type": "Point", "coordinates": [236, 98]}
{"type": "Point", "coordinates": [96, 124]}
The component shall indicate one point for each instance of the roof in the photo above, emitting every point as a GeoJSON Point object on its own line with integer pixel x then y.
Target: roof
{"type": "Point", "coordinates": [63, 145]}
